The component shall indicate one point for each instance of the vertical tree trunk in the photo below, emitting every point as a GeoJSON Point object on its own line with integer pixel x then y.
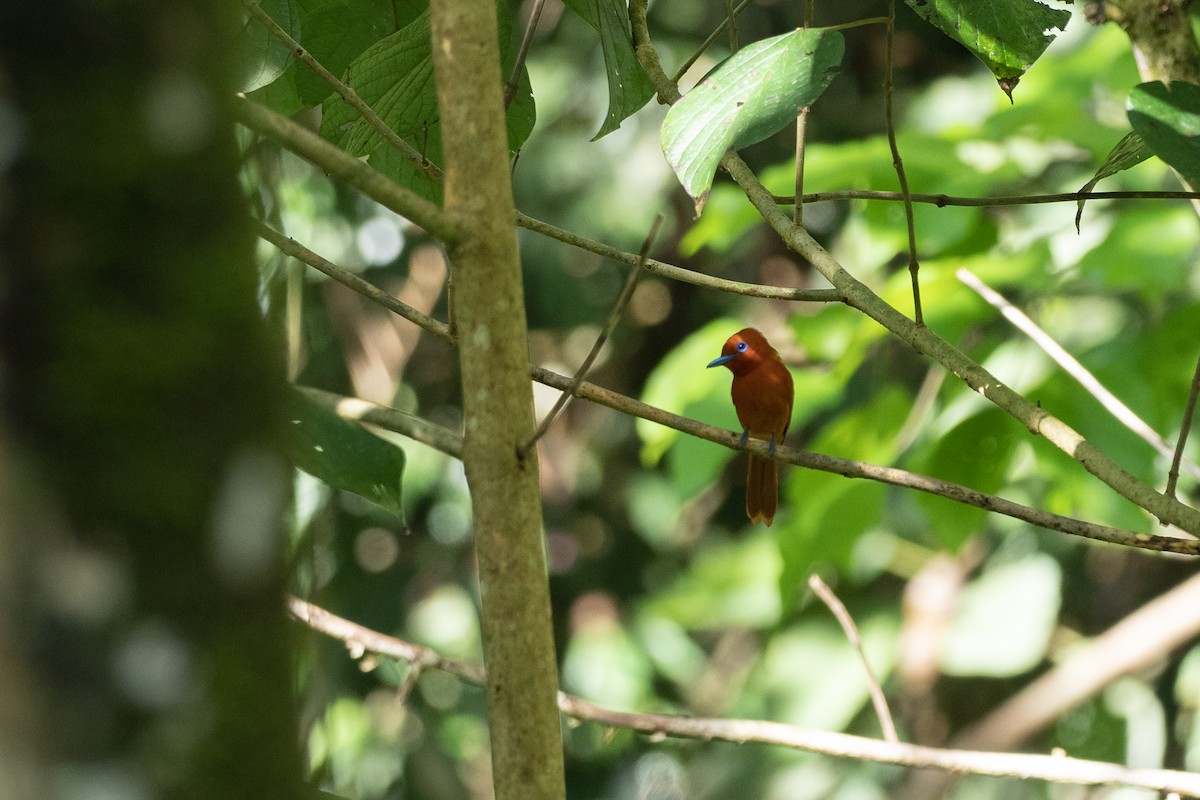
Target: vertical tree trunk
{"type": "Point", "coordinates": [489, 312]}
{"type": "Point", "coordinates": [142, 391]}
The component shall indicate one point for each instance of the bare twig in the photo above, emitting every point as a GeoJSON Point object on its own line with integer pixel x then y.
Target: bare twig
{"type": "Point", "coordinates": [1019, 765]}
{"type": "Point", "coordinates": [614, 316]}
{"type": "Point", "coordinates": [822, 590]}
{"type": "Point", "coordinates": [801, 135]}
{"type": "Point", "coordinates": [345, 92]}
{"type": "Point", "coordinates": [731, 26]}
{"type": "Point", "coordinates": [889, 121]}
{"type": "Point", "coordinates": [368, 290]}
{"type": "Point", "coordinates": [510, 88]}
{"type": "Point", "coordinates": [1184, 429]}
{"type": "Point", "coordinates": [944, 200]}
{"type": "Point", "coordinates": [707, 43]}
{"type": "Point", "coordinates": [1071, 365]}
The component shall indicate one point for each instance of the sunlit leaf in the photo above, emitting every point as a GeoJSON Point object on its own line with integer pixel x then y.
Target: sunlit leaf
{"type": "Point", "coordinates": [1168, 119]}
{"type": "Point", "coordinates": [261, 57]}
{"type": "Point", "coordinates": [1005, 619]}
{"type": "Point", "coordinates": [748, 97]}
{"type": "Point", "coordinates": [1007, 35]}
{"type": "Point", "coordinates": [628, 86]}
{"type": "Point", "coordinates": [343, 453]}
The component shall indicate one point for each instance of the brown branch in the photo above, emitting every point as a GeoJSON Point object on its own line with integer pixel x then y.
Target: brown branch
{"type": "Point", "coordinates": [510, 88]}
{"type": "Point", "coordinates": [878, 700]}
{"type": "Point", "coordinates": [1018, 765]}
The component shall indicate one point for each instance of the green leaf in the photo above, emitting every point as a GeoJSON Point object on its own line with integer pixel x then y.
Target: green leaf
{"type": "Point", "coordinates": [395, 77]}
{"type": "Point", "coordinates": [1168, 119]}
{"type": "Point", "coordinates": [1129, 152]}
{"type": "Point", "coordinates": [1005, 619]}
{"type": "Point", "coordinates": [1007, 35]}
{"type": "Point", "coordinates": [261, 57]}
{"type": "Point", "coordinates": [629, 88]}
{"type": "Point", "coordinates": [343, 453]}
{"type": "Point", "coordinates": [748, 97]}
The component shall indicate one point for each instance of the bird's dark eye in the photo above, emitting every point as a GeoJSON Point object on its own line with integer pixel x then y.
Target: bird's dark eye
{"type": "Point", "coordinates": [741, 346]}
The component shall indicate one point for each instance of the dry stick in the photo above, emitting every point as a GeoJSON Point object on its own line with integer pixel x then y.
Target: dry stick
{"type": "Point", "coordinates": [944, 200]}
{"type": "Point", "coordinates": [913, 266]}
{"type": "Point", "coordinates": [359, 640]}
{"type": "Point", "coordinates": [845, 467]}
{"type": "Point", "coordinates": [510, 88]}
{"type": "Point", "coordinates": [345, 92]}
{"type": "Point", "coordinates": [821, 590]}
{"type": "Point", "coordinates": [1184, 429]}
{"type": "Point", "coordinates": [1138, 642]}
{"type": "Point", "coordinates": [801, 135]}
{"type": "Point", "coordinates": [614, 316]}
{"type": "Point", "coordinates": [1036, 419]}
{"type": "Point", "coordinates": [1111, 403]}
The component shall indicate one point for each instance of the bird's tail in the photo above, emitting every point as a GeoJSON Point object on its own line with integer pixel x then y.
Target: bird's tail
{"type": "Point", "coordinates": [762, 489]}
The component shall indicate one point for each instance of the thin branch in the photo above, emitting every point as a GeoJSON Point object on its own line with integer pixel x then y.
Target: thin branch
{"type": "Point", "coordinates": [1184, 429]}
{"type": "Point", "coordinates": [801, 134]}
{"type": "Point", "coordinates": [677, 273]}
{"type": "Point", "coordinates": [731, 26]}
{"type": "Point", "coordinates": [707, 43]}
{"type": "Point", "coordinates": [1036, 419]}
{"type": "Point", "coordinates": [291, 247]}
{"type": "Point", "coordinates": [1124, 414]}
{"type": "Point", "coordinates": [845, 467]}
{"type": "Point", "coordinates": [351, 97]}
{"type": "Point", "coordinates": [510, 88]}
{"type": "Point", "coordinates": [1054, 768]}
{"type": "Point", "coordinates": [889, 121]}
{"type": "Point", "coordinates": [340, 164]}
{"type": "Point", "coordinates": [822, 590]}
{"type": "Point", "coordinates": [614, 316]}
{"type": "Point", "coordinates": [943, 200]}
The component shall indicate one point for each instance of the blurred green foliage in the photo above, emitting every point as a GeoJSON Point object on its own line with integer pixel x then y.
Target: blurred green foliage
{"type": "Point", "coordinates": [664, 598]}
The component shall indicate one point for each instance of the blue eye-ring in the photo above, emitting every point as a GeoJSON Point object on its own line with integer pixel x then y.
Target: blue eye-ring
{"type": "Point", "coordinates": [741, 346]}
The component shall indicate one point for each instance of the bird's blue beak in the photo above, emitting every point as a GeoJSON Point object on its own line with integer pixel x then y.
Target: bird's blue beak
{"type": "Point", "coordinates": [722, 360]}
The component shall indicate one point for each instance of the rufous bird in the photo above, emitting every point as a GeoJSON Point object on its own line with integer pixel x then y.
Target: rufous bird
{"type": "Point", "coordinates": [762, 397]}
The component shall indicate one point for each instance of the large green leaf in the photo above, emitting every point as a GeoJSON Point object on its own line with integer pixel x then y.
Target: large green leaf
{"type": "Point", "coordinates": [750, 96]}
{"type": "Point", "coordinates": [1168, 119]}
{"type": "Point", "coordinates": [628, 86]}
{"type": "Point", "coordinates": [335, 33]}
{"type": "Point", "coordinates": [261, 57]}
{"type": "Point", "coordinates": [1007, 35]}
{"type": "Point", "coordinates": [343, 453]}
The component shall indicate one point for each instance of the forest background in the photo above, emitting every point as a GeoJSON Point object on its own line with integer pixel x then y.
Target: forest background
{"type": "Point", "coordinates": [144, 392]}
